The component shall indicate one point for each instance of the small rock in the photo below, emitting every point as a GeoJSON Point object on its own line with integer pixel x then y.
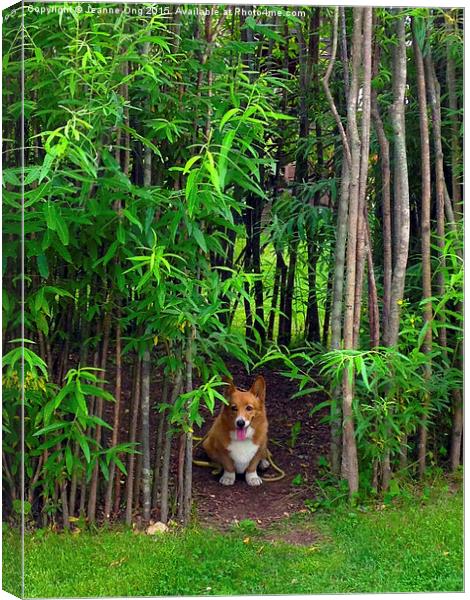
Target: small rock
{"type": "Point", "coordinates": [158, 527]}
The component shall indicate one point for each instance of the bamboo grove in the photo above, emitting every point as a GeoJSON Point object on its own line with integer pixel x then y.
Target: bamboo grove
{"type": "Point", "coordinates": [203, 187]}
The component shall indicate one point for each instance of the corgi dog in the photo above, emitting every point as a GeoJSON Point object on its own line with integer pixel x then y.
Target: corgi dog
{"type": "Point", "coordinates": [238, 438]}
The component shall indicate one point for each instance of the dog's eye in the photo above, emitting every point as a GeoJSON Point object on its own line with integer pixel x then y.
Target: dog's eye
{"type": "Point", "coordinates": [249, 408]}
{"type": "Point", "coordinates": [234, 407]}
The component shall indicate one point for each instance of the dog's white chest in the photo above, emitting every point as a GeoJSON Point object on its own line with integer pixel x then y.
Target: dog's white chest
{"type": "Point", "coordinates": [241, 452]}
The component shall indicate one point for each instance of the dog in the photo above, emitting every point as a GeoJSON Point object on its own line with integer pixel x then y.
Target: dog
{"type": "Point", "coordinates": [238, 438]}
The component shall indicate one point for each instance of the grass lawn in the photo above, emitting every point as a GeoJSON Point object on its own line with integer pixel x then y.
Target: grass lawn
{"type": "Point", "coordinates": [415, 547]}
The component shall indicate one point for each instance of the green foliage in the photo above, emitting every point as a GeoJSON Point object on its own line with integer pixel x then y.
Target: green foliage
{"type": "Point", "coordinates": [148, 149]}
{"type": "Point", "coordinates": [294, 433]}
{"type": "Point", "coordinates": [186, 409]}
{"type": "Point", "coordinates": [167, 234]}
{"type": "Point", "coordinates": [58, 427]}
{"type": "Point", "coordinates": [246, 527]}
{"type": "Point", "coordinates": [413, 547]}
{"type": "Point", "coordinates": [298, 480]}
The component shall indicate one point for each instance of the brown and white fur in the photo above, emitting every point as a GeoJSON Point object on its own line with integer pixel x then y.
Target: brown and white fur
{"type": "Point", "coordinates": [238, 437]}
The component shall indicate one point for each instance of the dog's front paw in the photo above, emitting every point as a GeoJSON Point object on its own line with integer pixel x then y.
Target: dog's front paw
{"type": "Point", "coordinates": [264, 464]}
{"type": "Point", "coordinates": [253, 479]}
{"type": "Point", "coordinates": [227, 478]}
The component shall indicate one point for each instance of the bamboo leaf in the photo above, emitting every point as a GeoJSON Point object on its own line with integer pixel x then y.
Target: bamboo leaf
{"type": "Point", "coordinates": [200, 239]}
{"type": "Point", "coordinates": [85, 447]}
{"type": "Point", "coordinates": [227, 116]}
{"type": "Point", "coordinates": [210, 166]}
{"type": "Point", "coordinates": [43, 266]}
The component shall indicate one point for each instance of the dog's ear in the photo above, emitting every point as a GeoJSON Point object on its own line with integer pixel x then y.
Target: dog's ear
{"type": "Point", "coordinates": [258, 388]}
{"type": "Point", "coordinates": [228, 389]}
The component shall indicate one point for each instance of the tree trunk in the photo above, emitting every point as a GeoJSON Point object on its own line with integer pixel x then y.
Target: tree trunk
{"type": "Point", "coordinates": [455, 128]}
{"type": "Point", "coordinates": [180, 483]}
{"type": "Point", "coordinates": [425, 234]}
{"type": "Point", "coordinates": [158, 445]}
{"type": "Point", "coordinates": [132, 440]}
{"type": "Point", "coordinates": [65, 508]}
{"type": "Point", "coordinates": [344, 49]}
{"type": "Point", "coordinates": [248, 219]}
{"type": "Point", "coordinates": [349, 465]}
{"type": "Point", "coordinates": [339, 255]}
{"type": "Point", "coordinates": [275, 299]}
{"type": "Point", "coordinates": [329, 289]}
{"type": "Point", "coordinates": [362, 219]}
{"type": "Point", "coordinates": [312, 317]}
{"type": "Point", "coordinates": [92, 500]}
{"type": "Point", "coordinates": [457, 429]}
{"type": "Point", "coordinates": [373, 301]}
{"type": "Point", "coordinates": [73, 484]}
{"type": "Point", "coordinates": [83, 485]}
{"type": "Point", "coordinates": [285, 319]}
{"type": "Point", "coordinates": [401, 224]}
{"type": "Point", "coordinates": [401, 189]}
{"type": "Point", "coordinates": [256, 262]}
{"type": "Point", "coordinates": [386, 206]}
{"type": "Point", "coordinates": [117, 420]}
{"type": "Point", "coordinates": [434, 96]}
{"type": "Point", "coordinates": [188, 467]}
{"type": "Point", "coordinates": [145, 412]}
{"type": "Point", "coordinates": [164, 508]}
{"type": "Point", "coordinates": [313, 250]}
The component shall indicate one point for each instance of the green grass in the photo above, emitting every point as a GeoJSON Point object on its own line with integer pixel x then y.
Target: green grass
{"type": "Point", "coordinates": [416, 547]}
{"type": "Point", "coordinates": [11, 561]}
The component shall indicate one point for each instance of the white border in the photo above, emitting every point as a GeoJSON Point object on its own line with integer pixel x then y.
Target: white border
{"type": "Point", "coordinates": [398, 3]}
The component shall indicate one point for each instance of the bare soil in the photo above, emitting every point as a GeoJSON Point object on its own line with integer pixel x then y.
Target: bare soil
{"type": "Point", "coordinates": [221, 506]}
{"type": "Point", "coordinates": [295, 536]}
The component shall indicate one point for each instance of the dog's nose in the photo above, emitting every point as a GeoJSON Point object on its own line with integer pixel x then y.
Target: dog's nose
{"type": "Point", "coordinates": [240, 423]}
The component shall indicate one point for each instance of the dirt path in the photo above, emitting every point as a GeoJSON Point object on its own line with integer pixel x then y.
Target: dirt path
{"type": "Point", "coordinates": [221, 506]}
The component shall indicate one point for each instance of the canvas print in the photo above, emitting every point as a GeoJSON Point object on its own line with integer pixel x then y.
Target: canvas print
{"type": "Point", "coordinates": [232, 299]}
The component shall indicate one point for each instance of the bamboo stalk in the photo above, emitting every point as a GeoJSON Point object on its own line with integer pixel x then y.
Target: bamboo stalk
{"type": "Point", "coordinates": [132, 440]}
{"type": "Point", "coordinates": [117, 422]}
{"type": "Point", "coordinates": [93, 496]}
{"type": "Point", "coordinates": [145, 412]}
{"type": "Point", "coordinates": [159, 445]}
{"type": "Point", "coordinates": [164, 499]}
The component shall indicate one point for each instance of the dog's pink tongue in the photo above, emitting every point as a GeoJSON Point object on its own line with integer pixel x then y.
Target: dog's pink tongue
{"type": "Point", "coordinates": [241, 434]}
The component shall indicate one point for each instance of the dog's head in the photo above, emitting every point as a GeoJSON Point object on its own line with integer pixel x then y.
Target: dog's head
{"type": "Point", "coordinates": [244, 408]}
